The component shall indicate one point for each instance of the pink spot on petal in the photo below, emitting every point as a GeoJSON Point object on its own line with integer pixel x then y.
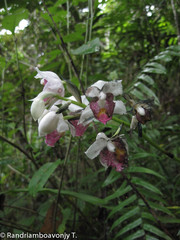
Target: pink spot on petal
{"type": "Point", "coordinates": [103, 114]}
{"type": "Point", "coordinates": [117, 159]}
{"type": "Point", "coordinates": [45, 81]}
{"type": "Point", "coordinates": [104, 118]}
{"type": "Point", "coordinates": [52, 138]}
{"type": "Point", "coordinates": [80, 129]}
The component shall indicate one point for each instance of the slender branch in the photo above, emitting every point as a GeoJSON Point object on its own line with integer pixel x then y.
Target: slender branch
{"type": "Point", "coordinates": [60, 185]}
{"type": "Point", "coordinates": [19, 173]}
{"type": "Point", "coordinates": [12, 225]}
{"type": "Point", "coordinates": [65, 48]}
{"type": "Point", "coordinates": [68, 44]}
{"type": "Point", "coordinates": [147, 204]}
{"type": "Point", "coordinates": [84, 217]}
{"type": "Point", "coordinates": [20, 149]}
{"type": "Point", "coordinates": [76, 181]}
{"type": "Point", "coordinates": [176, 20]}
{"type": "Point", "coordinates": [21, 209]}
{"type": "Point", "coordinates": [22, 87]}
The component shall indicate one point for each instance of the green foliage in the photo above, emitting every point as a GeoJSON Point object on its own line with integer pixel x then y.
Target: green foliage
{"type": "Point", "coordinates": [41, 176]}
{"type": "Point", "coordinates": [90, 47]}
{"type": "Point", "coordinates": [12, 20]}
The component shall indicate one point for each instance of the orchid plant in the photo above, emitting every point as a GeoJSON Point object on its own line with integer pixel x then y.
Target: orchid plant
{"type": "Point", "coordinates": [98, 104]}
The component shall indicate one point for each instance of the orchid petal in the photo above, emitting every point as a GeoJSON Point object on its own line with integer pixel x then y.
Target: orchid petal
{"type": "Point", "coordinates": [48, 75]}
{"type": "Point", "coordinates": [48, 123]}
{"type": "Point", "coordinates": [86, 116]}
{"type": "Point", "coordinates": [80, 129]}
{"type": "Point", "coordinates": [37, 108]}
{"type": "Point", "coordinates": [74, 108]}
{"type": "Point", "coordinates": [92, 92]}
{"type": "Point", "coordinates": [99, 84]}
{"type": "Point", "coordinates": [52, 138]}
{"type": "Point", "coordinates": [114, 87]}
{"type": "Point", "coordinates": [119, 108]}
{"type": "Point", "coordinates": [95, 149]}
{"type": "Point", "coordinates": [102, 135]}
{"type": "Point", "coordinates": [134, 123]}
{"type": "Point", "coordinates": [62, 125]}
{"type": "Point", "coordinates": [110, 146]}
{"type": "Point", "coordinates": [141, 111]}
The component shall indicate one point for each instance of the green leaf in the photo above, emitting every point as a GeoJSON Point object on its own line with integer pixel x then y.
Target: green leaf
{"type": "Point", "coordinates": [66, 216]}
{"type": "Point", "coordinates": [125, 216]}
{"type": "Point", "coordinates": [138, 234]}
{"type": "Point", "coordinates": [164, 56]}
{"type": "Point", "coordinates": [123, 204]}
{"type": "Point", "coordinates": [137, 94]}
{"type": "Point", "coordinates": [71, 87]}
{"type": "Point", "coordinates": [156, 231]}
{"type": "Point", "coordinates": [119, 192]}
{"type": "Point", "coordinates": [144, 170]}
{"type": "Point", "coordinates": [148, 237]}
{"type": "Point", "coordinates": [153, 70]}
{"type": "Point", "coordinates": [12, 20]}
{"type": "Point", "coordinates": [41, 176]}
{"type": "Point", "coordinates": [112, 177]}
{"type": "Point", "coordinates": [146, 78]}
{"type": "Point", "coordinates": [85, 197]}
{"type": "Point", "coordinates": [165, 219]}
{"type": "Point", "coordinates": [156, 207]}
{"type": "Point", "coordinates": [157, 66]}
{"type": "Point", "coordinates": [129, 227]}
{"type": "Point", "coordinates": [142, 155]}
{"type": "Point", "coordinates": [147, 185]}
{"type": "Point", "coordinates": [148, 216]}
{"type": "Point", "coordinates": [90, 47]}
{"type": "Point", "coordinates": [147, 91]}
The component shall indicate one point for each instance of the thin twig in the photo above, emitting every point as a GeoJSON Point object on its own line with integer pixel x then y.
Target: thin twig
{"type": "Point", "coordinates": [176, 20]}
{"type": "Point", "coordinates": [21, 209]}
{"type": "Point", "coordinates": [60, 185]}
{"type": "Point", "coordinates": [20, 149]}
{"type": "Point", "coordinates": [22, 88]}
{"type": "Point", "coordinates": [65, 48]}
{"type": "Point", "coordinates": [13, 225]}
{"type": "Point", "coordinates": [76, 182]}
{"type": "Point", "coordinates": [147, 204]}
{"type": "Point", "coordinates": [16, 171]}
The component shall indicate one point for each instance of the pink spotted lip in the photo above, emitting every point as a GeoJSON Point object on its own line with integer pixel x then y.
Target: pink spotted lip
{"type": "Point", "coordinates": [80, 129]}
{"type": "Point", "coordinates": [52, 138]}
{"type": "Point", "coordinates": [103, 114]}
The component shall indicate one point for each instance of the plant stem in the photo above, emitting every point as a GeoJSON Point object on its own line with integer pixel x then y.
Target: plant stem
{"type": "Point", "coordinates": [22, 88]}
{"type": "Point", "coordinates": [60, 185]}
{"type": "Point", "coordinates": [136, 191]}
{"type": "Point", "coordinates": [76, 181]}
{"type": "Point", "coordinates": [65, 48]}
{"type": "Point", "coordinates": [21, 150]}
{"type": "Point", "coordinates": [176, 20]}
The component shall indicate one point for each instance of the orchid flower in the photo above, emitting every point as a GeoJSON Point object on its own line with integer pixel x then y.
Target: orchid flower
{"type": "Point", "coordinates": [142, 113]}
{"type": "Point", "coordinates": [80, 128]}
{"type": "Point", "coordinates": [102, 104]}
{"type": "Point", "coordinates": [51, 82]}
{"type": "Point", "coordinates": [52, 86]}
{"type": "Point", "coordinates": [113, 152]}
{"type": "Point", "coordinates": [53, 126]}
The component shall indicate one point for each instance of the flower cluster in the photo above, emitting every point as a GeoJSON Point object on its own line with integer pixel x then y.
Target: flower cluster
{"type": "Point", "coordinates": [50, 104]}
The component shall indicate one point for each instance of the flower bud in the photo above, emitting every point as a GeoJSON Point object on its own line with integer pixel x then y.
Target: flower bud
{"type": "Point", "coordinates": [37, 108]}
{"type": "Point", "coordinates": [48, 123]}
